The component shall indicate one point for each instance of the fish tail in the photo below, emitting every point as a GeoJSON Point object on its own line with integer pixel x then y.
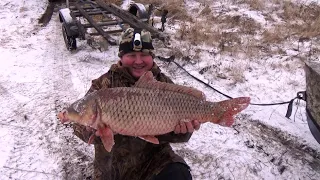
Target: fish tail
{"type": "Point", "coordinates": [230, 108]}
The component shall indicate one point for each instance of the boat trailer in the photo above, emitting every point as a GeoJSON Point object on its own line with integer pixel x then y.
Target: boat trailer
{"type": "Point", "coordinates": [102, 19]}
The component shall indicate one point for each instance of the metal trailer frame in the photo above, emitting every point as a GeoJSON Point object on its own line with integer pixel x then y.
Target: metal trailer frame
{"type": "Point", "coordinates": [78, 17]}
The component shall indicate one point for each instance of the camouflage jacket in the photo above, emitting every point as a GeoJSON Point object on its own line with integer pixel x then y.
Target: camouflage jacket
{"type": "Point", "coordinates": [131, 158]}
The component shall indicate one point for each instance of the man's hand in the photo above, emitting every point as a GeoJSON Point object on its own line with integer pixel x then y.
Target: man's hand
{"type": "Point", "coordinates": [185, 127]}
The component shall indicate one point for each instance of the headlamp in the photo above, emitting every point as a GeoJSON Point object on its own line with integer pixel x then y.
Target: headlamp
{"type": "Point", "coordinates": [137, 44]}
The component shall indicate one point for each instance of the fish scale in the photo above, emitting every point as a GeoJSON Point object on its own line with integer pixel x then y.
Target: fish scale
{"type": "Point", "coordinates": [147, 109]}
{"type": "Point", "coordinates": [180, 106]}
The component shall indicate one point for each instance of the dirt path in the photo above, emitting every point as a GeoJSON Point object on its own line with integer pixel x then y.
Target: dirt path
{"type": "Point", "coordinates": [41, 146]}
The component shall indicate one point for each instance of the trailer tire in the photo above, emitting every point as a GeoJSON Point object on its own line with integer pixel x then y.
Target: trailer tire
{"type": "Point", "coordinates": [70, 41]}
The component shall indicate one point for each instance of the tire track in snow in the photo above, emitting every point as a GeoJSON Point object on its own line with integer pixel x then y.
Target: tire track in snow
{"type": "Point", "coordinates": [75, 156]}
{"type": "Point", "coordinates": [28, 158]}
{"type": "Point", "coordinates": [41, 147]}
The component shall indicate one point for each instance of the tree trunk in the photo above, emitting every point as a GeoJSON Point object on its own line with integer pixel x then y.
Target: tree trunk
{"type": "Point", "coordinates": [312, 70]}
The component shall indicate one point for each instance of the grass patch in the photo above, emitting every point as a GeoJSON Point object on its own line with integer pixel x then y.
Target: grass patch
{"type": "Point", "coordinates": [196, 33]}
{"type": "Point", "coordinates": [236, 72]}
{"type": "Point", "coordinates": [205, 11]}
{"type": "Point", "coordinates": [301, 22]}
{"type": "Point", "coordinates": [258, 5]}
{"type": "Point", "coordinates": [236, 33]}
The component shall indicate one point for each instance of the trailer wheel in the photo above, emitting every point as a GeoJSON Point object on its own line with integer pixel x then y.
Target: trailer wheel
{"type": "Point", "coordinates": [70, 41]}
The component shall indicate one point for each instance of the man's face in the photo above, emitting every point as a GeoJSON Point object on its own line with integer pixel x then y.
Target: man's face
{"type": "Point", "coordinates": [137, 63]}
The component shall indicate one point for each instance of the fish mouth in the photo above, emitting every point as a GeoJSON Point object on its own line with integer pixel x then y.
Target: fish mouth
{"type": "Point", "coordinates": [63, 116]}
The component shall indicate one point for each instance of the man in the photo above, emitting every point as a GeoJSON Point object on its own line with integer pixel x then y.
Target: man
{"type": "Point", "coordinates": [163, 18]}
{"type": "Point", "coordinates": [132, 158]}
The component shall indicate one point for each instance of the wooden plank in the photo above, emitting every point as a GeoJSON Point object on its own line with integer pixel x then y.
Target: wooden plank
{"type": "Point", "coordinates": [114, 31]}
{"type": "Point", "coordinates": [109, 32]}
{"type": "Point", "coordinates": [109, 23]}
{"type": "Point", "coordinates": [78, 14]}
{"type": "Point", "coordinates": [96, 26]}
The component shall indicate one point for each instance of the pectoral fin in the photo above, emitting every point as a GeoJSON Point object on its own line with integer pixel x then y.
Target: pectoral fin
{"type": "Point", "coordinates": [106, 136]}
{"type": "Point", "coordinates": [150, 139]}
{"type": "Point", "coordinates": [91, 139]}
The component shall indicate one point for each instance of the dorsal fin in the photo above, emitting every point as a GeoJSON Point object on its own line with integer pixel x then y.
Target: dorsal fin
{"type": "Point", "coordinates": [147, 81]}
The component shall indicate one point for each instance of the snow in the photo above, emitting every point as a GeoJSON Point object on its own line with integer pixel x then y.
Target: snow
{"type": "Point", "coordinates": [65, 13]}
{"type": "Point", "coordinates": [39, 77]}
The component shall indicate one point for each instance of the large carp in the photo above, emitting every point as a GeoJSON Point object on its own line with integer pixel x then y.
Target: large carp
{"type": "Point", "coordinates": [147, 109]}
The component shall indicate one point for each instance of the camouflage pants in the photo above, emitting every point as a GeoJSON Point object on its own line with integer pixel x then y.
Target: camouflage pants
{"type": "Point", "coordinates": [174, 171]}
{"type": "Point", "coordinates": [102, 164]}
{"type": "Point", "coordinates": [157, 168]}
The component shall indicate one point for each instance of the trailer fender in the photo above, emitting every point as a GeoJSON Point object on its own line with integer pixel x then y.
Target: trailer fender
{"type": "Point", "coordinates": [68, 23]}
{"type": "Point", "coordinates": [64, 15]}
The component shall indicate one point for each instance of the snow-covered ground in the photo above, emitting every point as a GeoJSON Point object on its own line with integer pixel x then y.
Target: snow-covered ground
{"type": "Point", "coordinates": [39, 76]}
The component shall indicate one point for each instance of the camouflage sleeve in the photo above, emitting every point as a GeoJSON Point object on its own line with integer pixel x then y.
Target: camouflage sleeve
{"type": "Point", "coordinates": [174, 138]}
{"type": "Point", "coordinates": [102, 82]}
{"type": "Point", "coordinates": [163, 78]}
{"type": "Point", "coordinates": [81, 131]}
{"type": "Point", "coordinates": [171, 137]}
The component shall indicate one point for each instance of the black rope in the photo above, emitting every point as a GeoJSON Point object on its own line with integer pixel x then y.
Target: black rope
{"type": "Point", "coordinates": [300, 95]}
{"type": "Point", "coordinates": [206, 84]}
